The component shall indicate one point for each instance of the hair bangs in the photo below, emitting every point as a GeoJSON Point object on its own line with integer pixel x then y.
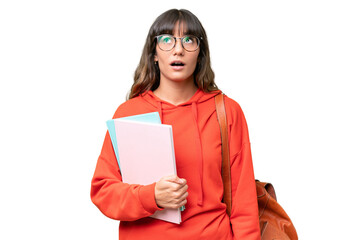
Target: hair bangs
{"type": "Point", "coordinates": [190, 25]}
{"type": "Point", "coordinates": [164, 24]}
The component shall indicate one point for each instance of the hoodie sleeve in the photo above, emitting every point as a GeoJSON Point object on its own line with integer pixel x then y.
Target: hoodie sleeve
{"type": "Point", "coordinates": [115, 199]}
{"type": "Point", "coordinates": [244, 214]}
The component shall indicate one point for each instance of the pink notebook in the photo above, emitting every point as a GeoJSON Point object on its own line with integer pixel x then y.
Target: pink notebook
{"type": "Point", "coordinates": [146, 154]}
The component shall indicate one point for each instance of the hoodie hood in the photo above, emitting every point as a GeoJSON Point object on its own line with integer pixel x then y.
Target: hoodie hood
{"type": "Point", "coordinates": [198, 98]}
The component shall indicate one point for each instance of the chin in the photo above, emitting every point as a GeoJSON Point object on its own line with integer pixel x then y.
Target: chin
{"type": "Point", "coordinates": [181, 78]}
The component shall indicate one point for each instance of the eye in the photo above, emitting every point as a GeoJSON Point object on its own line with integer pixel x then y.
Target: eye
{"type": "Point", "coordinates": [165, 39]}
{"type": "Point", "coordinates": [188, 39]}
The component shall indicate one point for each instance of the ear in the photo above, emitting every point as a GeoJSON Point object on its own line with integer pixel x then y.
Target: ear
{"type": "Point", "coordinates": [155, 58]}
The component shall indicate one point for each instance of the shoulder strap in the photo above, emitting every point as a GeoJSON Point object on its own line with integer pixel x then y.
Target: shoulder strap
{"type": "Point", "coordinates": [225, 167]}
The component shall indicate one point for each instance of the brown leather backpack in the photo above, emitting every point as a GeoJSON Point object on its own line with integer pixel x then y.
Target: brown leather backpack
{"type": "Point", "coordinates": [274, 222]}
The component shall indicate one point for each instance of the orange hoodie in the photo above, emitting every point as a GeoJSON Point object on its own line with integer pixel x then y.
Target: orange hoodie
{"type": "Point", "coordinates": [197, 145]}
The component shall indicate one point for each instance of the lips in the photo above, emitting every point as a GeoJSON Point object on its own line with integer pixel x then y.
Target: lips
{"type": "Point", "coordinates": [177, 65]}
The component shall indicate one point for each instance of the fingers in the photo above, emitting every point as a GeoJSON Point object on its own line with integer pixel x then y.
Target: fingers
{"type": "Point", "coordinates": [179, 197]}
{"type": "Point", "coordinates": [178, 202]}
{"type": "Point", "coordinates": [178, 205]}
{"type": "Point", "coordinates": [175, 179]}
{"type": "Point", "coordinates": [182, 191]}
{"type": "Point", "coordinates": [181, 194]}
{"type": "Point", "coordinates": [170, 183]}
{"type": "Point", "coordinates": [171, 192]}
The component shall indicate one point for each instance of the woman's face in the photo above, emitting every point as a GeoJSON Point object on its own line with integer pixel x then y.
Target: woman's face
{"type": "Point", "coordinates": [166, 59]}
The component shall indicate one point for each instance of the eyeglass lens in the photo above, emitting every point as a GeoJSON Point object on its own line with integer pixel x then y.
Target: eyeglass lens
{"type": "Point", "coordinates": [167, 42]}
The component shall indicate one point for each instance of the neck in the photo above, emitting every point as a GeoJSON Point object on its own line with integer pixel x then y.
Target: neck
{"type": "Point", "coordinates": [175, 92]}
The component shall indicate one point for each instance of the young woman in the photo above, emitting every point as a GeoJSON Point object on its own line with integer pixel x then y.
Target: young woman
{"type": "Point", "coordinates": [174, 78]}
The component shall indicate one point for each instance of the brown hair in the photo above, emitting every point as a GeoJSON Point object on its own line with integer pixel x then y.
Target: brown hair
{"type": "Point", "coordinates": [147, 74]}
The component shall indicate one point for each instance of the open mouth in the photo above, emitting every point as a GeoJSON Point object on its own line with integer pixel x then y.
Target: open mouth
{"type": "Point", "coordinates": [177, 64]}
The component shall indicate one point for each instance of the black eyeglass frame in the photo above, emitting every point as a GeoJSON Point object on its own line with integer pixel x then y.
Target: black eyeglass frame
{"type": "Point", "coordinates": [181, 41]}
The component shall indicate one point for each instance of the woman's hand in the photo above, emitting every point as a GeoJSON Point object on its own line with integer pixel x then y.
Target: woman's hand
{"type": "Point", "coordinates": [171, 192]}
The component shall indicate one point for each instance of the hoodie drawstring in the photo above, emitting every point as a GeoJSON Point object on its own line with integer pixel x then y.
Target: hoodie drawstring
{"type": "Point", "coordinates": [200, 152]}
{"type": "Point", "coordinates": [160, 111]}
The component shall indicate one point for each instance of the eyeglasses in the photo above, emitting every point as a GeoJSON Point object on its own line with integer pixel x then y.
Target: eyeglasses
{"type": "Point", "coordinates": [166, 42]}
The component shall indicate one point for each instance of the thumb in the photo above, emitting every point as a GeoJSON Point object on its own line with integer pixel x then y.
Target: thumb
{"type": "Point", "coordinates": [175, 179]}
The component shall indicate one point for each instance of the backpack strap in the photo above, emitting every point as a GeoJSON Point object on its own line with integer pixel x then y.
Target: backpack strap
{"type": "Point", "coordinates": [225, 166]}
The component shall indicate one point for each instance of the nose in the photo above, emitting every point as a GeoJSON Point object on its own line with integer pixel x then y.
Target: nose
{"type": "Point", "coordinates": [178, 49]}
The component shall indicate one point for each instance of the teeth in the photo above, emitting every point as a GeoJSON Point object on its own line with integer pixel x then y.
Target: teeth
{"type": "Point", "coordinates": [177, 64]}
